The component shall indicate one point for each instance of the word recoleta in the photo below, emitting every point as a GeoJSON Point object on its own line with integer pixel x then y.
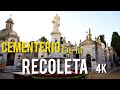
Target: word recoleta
{"type": "Point", "coordinates": [53, 66]}
{"type": "Point", "coordinates": [15, 47]}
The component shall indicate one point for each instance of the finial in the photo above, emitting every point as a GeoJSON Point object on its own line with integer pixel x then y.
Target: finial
{"type": "Point", "coordinates": [10, 15]}
{"type": "Point", "coordinates": [89, 29]}
{"type": "Point", "coordinates": [89, 35]}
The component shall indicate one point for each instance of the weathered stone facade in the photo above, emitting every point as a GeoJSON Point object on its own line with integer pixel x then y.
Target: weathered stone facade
{"type": "Point", "coordinates": [9, 35]}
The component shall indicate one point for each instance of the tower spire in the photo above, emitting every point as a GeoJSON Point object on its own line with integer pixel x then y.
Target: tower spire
{"type": "Point", "coordinates": [9, 23]}
{"type": "Point", "coordinates": [89, 31]}
{"type": "Point", "coordinates": [89, 35]}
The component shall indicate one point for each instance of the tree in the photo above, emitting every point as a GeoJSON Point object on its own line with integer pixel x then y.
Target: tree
{"type": "Point", "coordinates": [115, 42]}
{"type": "Point", "coordinates": [102, 39]}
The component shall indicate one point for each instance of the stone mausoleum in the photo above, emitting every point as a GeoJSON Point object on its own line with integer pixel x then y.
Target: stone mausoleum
{"type": "Point", "coordinates": [94, 51]}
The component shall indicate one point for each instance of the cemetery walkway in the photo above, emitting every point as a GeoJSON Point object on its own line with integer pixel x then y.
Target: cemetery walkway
{"type": "Point", "coordinates": [112, 74]}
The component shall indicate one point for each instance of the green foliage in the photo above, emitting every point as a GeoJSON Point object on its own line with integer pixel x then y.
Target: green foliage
{"type": "Point", "coordinates": [115, 42]}
{"type": "Point", "coordinates": [102, 39]}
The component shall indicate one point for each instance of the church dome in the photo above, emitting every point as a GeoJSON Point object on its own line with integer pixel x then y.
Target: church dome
{"type": "Point", "coordinates": [8, 30]}
{"type": "Point", "coordinates": [87, 42]}
{"type": "Point", "coordinates": [9, 21]}
{"type": "Point", "coordinates": [13, 33]}
{"type": "Point", "coordinates": [5, 33]}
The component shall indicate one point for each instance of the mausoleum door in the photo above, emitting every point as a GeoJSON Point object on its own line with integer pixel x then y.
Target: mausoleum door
{"type": "Point", "coordinates": [10, 59]}
{"type": "Point", "coordinates": [88, 60]}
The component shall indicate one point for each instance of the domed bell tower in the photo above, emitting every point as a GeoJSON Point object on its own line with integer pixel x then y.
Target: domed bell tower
{"type": "Point", "coordinates": [9, 24]}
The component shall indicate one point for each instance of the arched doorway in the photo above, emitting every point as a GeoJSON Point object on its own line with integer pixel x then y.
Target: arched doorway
{"type": "Point", "coordinates": [10, 56]}
{"type": "Point", "coordinates": [77, 56]}
{"type": "Point", "coordinates": [10, 59]}
{"type": "Point", "coordinates": [88, 60]}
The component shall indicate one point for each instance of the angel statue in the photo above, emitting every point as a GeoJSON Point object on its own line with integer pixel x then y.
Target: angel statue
{"type": "Point", "coordinates": [56, 22]}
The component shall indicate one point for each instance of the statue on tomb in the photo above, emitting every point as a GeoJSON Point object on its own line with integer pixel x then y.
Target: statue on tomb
{"type": "Point", "coordinates": [56, 22]}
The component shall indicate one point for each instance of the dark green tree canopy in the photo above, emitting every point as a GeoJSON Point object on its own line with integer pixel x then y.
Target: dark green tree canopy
{"type": "Point", "coordinates": [115, 42]}
{"type": "Point", "coordinates": [102, 39]}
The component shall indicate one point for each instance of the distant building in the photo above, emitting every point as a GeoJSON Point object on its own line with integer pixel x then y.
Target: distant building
{"type": "Point", "coordinates": [95, 52]}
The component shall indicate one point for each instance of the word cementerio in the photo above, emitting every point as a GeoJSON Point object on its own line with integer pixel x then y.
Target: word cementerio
{"type": "Point", "coordinates": [23, 47]}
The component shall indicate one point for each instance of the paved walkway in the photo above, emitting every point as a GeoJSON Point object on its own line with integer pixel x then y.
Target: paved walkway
{"type": "Point", "coordinates": [6, 75]}
{"type": "Point", "coordinates": [113, 74]}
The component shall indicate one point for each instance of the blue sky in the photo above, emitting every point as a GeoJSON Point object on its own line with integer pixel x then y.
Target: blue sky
{"type": "Point", "coordinates": [32, 25]}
